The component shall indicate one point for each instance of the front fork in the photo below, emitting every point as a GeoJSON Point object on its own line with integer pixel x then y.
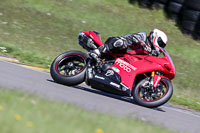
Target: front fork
{"type": "Point", "coordinates": [155, 79]}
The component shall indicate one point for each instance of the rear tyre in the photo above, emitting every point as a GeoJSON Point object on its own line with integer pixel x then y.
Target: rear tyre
{"type": "Point", "coordinates": [178, 1]}
{"type": "Point", "coordinates": [144, 96]}
{"type": "Point", "coordinates": [173, 10]}
{"type": "Point", "coordinates": [174, 7]}
{"type": "Point", "coordinates": [188, 25]}
{"type": "Point", "coordinates": [158, 5]}
{"type": "Point", "coordinates": [198, 28]}
{"type": "Point", "coordinates": [162, 1]}
{"type": "Point", "coordinates": [189, 14]}
{"type": "Point", "coordinates": [193, 4]}
{"type": "Point", "coordinates": [69, 68]}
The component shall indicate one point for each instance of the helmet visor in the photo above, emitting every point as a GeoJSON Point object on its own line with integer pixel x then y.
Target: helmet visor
{"type": "Point", "coordinates": [161, 43]}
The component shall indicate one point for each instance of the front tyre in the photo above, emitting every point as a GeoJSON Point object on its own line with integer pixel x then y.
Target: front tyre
{"type": "Point", "coordinates": [150, 97]}
{"type": "Point", "coordinates": [69, 68]}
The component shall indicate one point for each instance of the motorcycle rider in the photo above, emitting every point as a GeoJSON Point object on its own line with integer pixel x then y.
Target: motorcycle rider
{"type": "Point", "coordinates": [150, 43]}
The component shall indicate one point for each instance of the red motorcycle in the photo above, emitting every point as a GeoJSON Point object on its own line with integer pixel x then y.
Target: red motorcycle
{"type": "Point", "coordinates": [129, 73]}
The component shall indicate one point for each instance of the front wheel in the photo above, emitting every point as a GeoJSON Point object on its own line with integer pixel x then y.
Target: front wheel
{"type": "Point", "coordinates": [151, 97]}
{"type": "Point", "coordinates": [69, 68]}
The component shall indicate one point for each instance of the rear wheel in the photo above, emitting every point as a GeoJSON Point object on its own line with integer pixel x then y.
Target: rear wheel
{"type": "Point", "coordinates": [69, 68]}
{"type": "Point", "coordinates": [151, 97]}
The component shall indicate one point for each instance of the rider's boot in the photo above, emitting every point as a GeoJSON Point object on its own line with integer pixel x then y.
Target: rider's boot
{"type": "Point", "coordinates": [95, 54]}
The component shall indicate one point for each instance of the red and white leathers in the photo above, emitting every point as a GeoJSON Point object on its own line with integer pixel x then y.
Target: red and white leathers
{"type": "Point", "coordinates": [150, 44]}
{"type": "Point", "coordinates": [156, 38]}
{"type": "Point", "coordinates": [116, 44]}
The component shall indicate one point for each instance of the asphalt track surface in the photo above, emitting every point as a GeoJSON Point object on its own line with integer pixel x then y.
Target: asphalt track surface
{"type": "Point", "coordinates": [15, 76]}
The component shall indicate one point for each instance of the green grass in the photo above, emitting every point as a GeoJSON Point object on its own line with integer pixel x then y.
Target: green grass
{"type": "Point", "coordinates": [190, 103]}
{"type": "Point", "coordinates": [36, 31]}
{"type": "Point", "coordinates": [26, 56]}
{"type": "Point", "coordinates": [22, 113]}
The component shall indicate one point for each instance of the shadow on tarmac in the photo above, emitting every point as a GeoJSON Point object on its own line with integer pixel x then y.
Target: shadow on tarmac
{"type": "Point", "coordinates": [110, 95]}
{"type": "Point", "coordinates": [118, 97]}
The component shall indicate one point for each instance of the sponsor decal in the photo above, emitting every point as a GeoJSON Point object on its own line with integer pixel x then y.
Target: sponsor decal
{"type": "Point", "coordinates": [125, 66]}
{"type": "Point", "coordinates": [109, 73]}
{"type": "Point", "coordinates": [115, 69]}
{"type": "Point", "coordinates": [90, 75]}
{"type": "Point", "coordinates": [114, 84]}
{"type": "Point", "coordinates": [98, 77]}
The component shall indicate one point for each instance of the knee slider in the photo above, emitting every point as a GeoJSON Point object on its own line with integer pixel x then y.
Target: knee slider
{"type": "Point", "coordinates": [120, 44]}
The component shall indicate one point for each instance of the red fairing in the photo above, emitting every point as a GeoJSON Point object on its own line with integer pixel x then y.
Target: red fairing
{"type": "Point", "coordinates": [131, 64]}
{"type": "Point", "coordinates": [95, 37]}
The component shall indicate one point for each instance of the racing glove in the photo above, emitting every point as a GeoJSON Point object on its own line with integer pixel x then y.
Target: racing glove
{"type": "Point", "coordinates": [120, 43]}
{"type": "Point", "coordinates": [155, 53]}
{"type": "Point", "coordinates": [145, 46]}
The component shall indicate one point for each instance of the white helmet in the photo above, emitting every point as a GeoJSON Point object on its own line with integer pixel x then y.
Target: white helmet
{"type": "Point", "coordinates": [158, 38]}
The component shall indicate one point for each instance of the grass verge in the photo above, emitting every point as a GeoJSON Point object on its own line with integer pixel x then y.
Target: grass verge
{"type": "Point", "coordinates": [26, 56]}
{"type": "Point", "coordinates": [22, 113]}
